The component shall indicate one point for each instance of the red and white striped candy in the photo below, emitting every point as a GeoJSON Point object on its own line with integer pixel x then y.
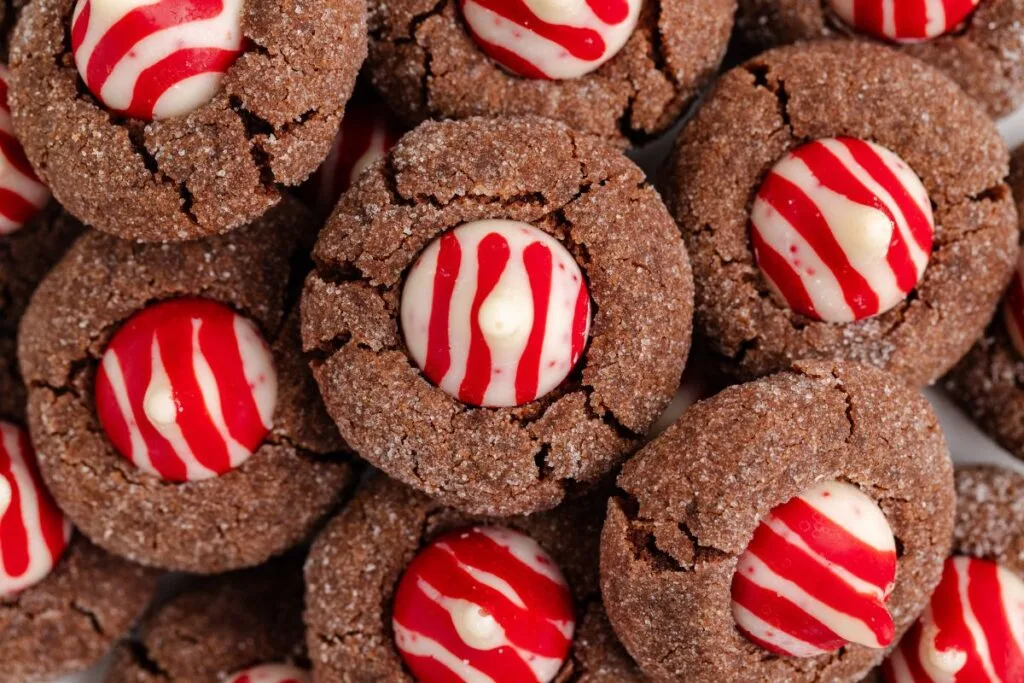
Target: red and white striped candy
{"type": "Point", "coordinates": [186, 389]}
{"type": "Point", "coordinates": [22, 194]}
{"type": "Point", "coordinates": [551, 39]}
{"type": "Point", "coordinates": [272, 673]}
{"type": "Point", "coordinates": [817, 574]}
{"type": "Point", "coordinates": [483, 605]}
{"type": "Point", "coordinates": [971, 632]}
{"type": "Point", "coordinates": [155, 59]}
{"type": "Point", "coordinates": [842, 229]}
{"type": "Point", "coordinates": [1013, 308]}
{"type": "Point", "coordinates": [496, 313]}
{"type": "Point", "coordinates": [904, 21]}
{"type": "Point", "coordinates": [367, 132]}
{"type": "Point", "coordinates": [33, 531]}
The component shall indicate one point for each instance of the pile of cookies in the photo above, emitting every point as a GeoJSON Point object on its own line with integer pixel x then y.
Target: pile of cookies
{"type": "Point", "coordinates": [336, 341]}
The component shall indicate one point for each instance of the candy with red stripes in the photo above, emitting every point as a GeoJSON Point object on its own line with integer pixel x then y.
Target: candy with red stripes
{"type": "Point", "coordinates": [186, 389]}
{"type": "Point", "coordinates": [483, 604]}
{"type": "Point", "coordinates": [155, 59]}
{"type": "Point", "coordinates": [842, 229]}
{"type": "Point", "coordinates": [903, 21]}
{"type": "Point", "coordinates": [22, 194]}
{"type": "Point", "coordinates": [817, 575]}
{"type": "Point", "coordinates": [971, 632]}
{"type": "Point", "coordinates": [551, 39]}
{"type": "Point", "coordinates": [33, 531]}
{"type": "Point", "coordinates": [496, 312]}
{"type": "Point", "coordinates": [271, 673]}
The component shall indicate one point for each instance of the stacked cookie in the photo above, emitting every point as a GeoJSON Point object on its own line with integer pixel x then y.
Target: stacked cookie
{"type": "Point", "coordinates": [376, 376]}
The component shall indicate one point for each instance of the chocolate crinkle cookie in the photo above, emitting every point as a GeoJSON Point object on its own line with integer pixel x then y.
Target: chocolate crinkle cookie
{"type": "Point", "coordinates": [175, 419]}
{"type": "Point", "coordinates": [499, 312]}
{"type": "Point", "coordinates": [221, 629]}
{"type": "Point", "coordinates": [978, 44]}
{"type": "Point", "coordinates": [381, 578]}
{"type": "Point", "coordinates": [620, 69]}
{"type": "Point", "coordinates": [834, 198]}
{"type": "Point", "coordinates": [182, 142]}
{"type": "Point", "coordinates": [988, 381]}
{"type": "Point", "coordinates": [789, 529]}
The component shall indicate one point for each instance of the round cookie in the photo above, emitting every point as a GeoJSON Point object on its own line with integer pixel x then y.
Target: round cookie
{"type": "Point", "coordinates": [691, 501]}
{"type": "Point", "coordinates": [981, 53]}
{"type": "Point", "coordinates": [269, 126]}
{"type": "Point", "coordinates": [782, 100]}
{"type": "Point", "coordinates": [218, 627]}
{"type": "Point", "coordinates": [426, 64]}
{"type": "Point", "coordinates": [368, 546]}
{"type": "Point", "coordinates": [588, 196]}
{"type": "Point", "coordinates": [271, 502]}
{"type": "Point", "coordinates": [988, 382]}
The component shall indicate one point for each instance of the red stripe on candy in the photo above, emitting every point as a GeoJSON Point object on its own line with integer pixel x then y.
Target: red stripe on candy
{"type": "Point", "coordinates": [14, 541]}
{"type": "Point", "coordinates": [582, 43]}
{"type": "Point", "coordinates": [537, 260]}
{"type": "Point", "coordinates": [780, 272]}
{"type": "Point", "coordinates": [157, 79]}
{"type": "Point", "coordinates": [449, 261]}
{"type": "Point", "coordinates": [783, 615]}
{"type": "Point", "coordinates": [15, 207]}
{"type": "Point", "coordinates": [492, 257]}
{"type": "Point", "coordinates": [580, 321]}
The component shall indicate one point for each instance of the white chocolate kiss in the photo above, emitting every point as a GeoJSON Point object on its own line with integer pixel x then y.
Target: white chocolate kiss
{"type": "Point", "coordinates": [477, 627]}
{"type": "Point", "coordinates": [863, 232]}
{"type": "Point", "coordinates": [505, 315]}
{"type": "Point", "coordinates": [159, 404]}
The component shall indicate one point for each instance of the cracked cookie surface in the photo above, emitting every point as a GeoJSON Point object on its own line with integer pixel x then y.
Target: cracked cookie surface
{"type": "Point", "coordinates": [68, 622]}
{"type": "Point", "coordinates": [367, 547]}
{"type": "Point", "coordinates": [783, 98]}
{"type": "Point", "coordinates": [269, 504]}
{"type": "Point", "coordinates": [575, 187]}
{"type": "Point", "coordinates": [426, 65]}
{"type": "Point", "coordinates": [693, 498]}
{"type": "Point", "coordinates": [221, 166]}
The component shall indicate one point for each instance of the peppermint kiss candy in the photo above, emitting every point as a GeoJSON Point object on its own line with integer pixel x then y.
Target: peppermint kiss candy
{"type": "Point", "coordinates": [186, 389]}
{"type": "Point", "coordinates": [496, 313]}
{"type": "Point", "coordinates": [483, 604]}
{"type": "Point", "coordinates": [817, 574]}
{"type": "Point", "coordinates": [842, 229]}
{"type": "Point", "coordinates": [155, 59]}
{"type": "Point", "coordinates": [551, 39]}
{"type": "Point", "coordinates": [1013, 308]}
{"type": "Point", "coordinates": [272, 673]}
{"type": "Point", "coordinates": [33, 532]}
{"type": "Point", "coordinates": [22, 194]}
{"type": "Point", "coordinates": [971, 632]}
{"type": "Point", "coordinates": [903, 21]}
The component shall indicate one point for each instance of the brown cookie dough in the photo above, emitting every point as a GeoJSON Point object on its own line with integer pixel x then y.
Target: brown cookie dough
{"type": "Point", "coordinates": [589, 196]}
{"type": "Point", "coordinates": [693, 498]}
{"type": "Point", "coordinates": [426, 65]}
{"type": "Point", "coordinates": [989, 382]}
{"type": "Point", "coordinates": [270, 503]}
{"type": "Point", "coordinates": [68, 621]}
{"type": "Point", "coordinates": [990, 515]}
{"type": "Point", "coordinates": [789, 96]}
{"type": "Point", "coordinates": [213, 170]}
{"type": "Point", "coordinates": [367, 547]}
{"type": "Point", "coordinates": [218, 627]}
{"type": "Point", "coordinates": [985, 55]}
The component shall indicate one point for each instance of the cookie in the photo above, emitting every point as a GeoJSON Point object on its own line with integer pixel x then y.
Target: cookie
{"type": "Point", "coordinates": [369, 546]}
{"type": "Point", "coordinates": [426, 201]}
{"type": "Point", "coordinates": [464, 58]}
{"type": "Point", "coordinates": [812, 278]}
{"type": "Point", "coordinates": [967, 633]}
{"type": "Point", "coordinates": [986, 383]}
{"type": "Point", "coordinates": [119, 433]}
{"type": "Point", "coordinates": [693, 499]}
{"type": "Point", "coordinates": [214, 158]}
{"type": "Point", "coordinates": [221, 626]}
{"type": "Point", "coordinates": [977, 44]}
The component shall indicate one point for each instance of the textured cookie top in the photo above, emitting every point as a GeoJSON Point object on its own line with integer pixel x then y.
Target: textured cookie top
{"type": "Point", "coordinates": [575, 188]}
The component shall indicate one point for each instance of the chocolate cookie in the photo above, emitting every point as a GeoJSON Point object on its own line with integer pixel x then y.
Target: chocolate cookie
{"type": "Point", "coordinates": [114, 435]}
{"type": "Point", "coordinates": [432, 60]}
{"type": "Point", "coordinates": [218, 627]}
{"type": "Point", "coordinates": [367, 548]}
{"type": "Point", "coordinates": [693, 498]}
{"type": "Point", "coordinates": [583, 206]}
{"type": "Point", "coordinates": [978, 45]}
{"type": "Point", "coordinates": [987, 382]}
{"type": "Point", "coordinates": [217, 167]}
{"type": "Point", "coordinates": [791, 179]}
